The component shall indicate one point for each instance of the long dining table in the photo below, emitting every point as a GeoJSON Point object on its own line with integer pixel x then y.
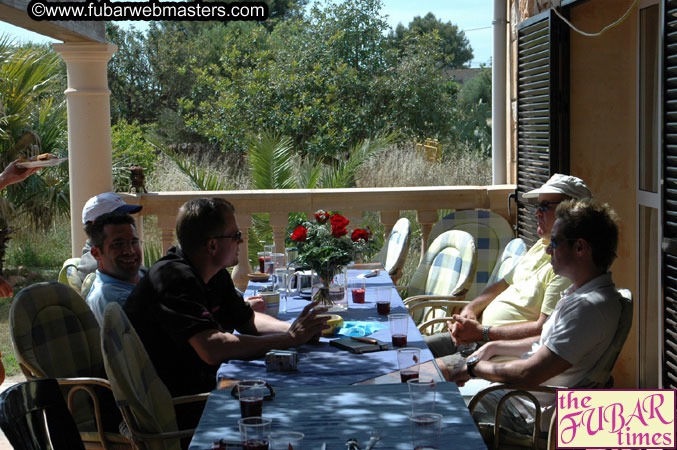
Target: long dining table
{"type": "Point", "coordinates": [335, 394]}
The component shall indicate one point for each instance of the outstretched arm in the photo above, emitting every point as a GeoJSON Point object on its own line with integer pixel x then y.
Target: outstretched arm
{"type": "Point", "coordinates": [214, 346]}
{"type": "Point", "coordinates": [13, 174]}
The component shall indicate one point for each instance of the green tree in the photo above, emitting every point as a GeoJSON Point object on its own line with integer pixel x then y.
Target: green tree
{"type": "Point", "coordinates": [473, 128]}
{"type": "Point", "coordinates": [327, 81]}
{"type": "Point", "coordinates": [454, 48]}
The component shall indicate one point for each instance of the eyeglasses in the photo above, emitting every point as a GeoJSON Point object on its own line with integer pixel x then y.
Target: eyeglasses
{"type": "Point", "coordinates": [554, 242]}
{"type": "Point", "coordinates": [237, 236]}
{"type": "Point", "coordinates": [545, 205]}
{"type": "Point", "coordinates": [120, 245]}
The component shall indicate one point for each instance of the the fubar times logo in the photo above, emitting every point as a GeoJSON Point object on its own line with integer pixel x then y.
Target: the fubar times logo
{"type": "Point", "coordinates": [616, 418]}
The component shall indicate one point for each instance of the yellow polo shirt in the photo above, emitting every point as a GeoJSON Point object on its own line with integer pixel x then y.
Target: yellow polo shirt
{"type": "Point", "coordinates": [534, 289]}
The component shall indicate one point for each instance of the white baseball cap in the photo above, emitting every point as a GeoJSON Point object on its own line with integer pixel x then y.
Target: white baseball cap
{"type": "Point", "coordinates": [562, 184]}
{"type": "Point", "coordinates": [105, 203]}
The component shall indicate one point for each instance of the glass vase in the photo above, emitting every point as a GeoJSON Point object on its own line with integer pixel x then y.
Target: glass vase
{"type": "Point", "coordinates": [332, 291]}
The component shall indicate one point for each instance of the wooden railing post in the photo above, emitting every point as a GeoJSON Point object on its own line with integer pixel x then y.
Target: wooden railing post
{"type": "Point", "coordinates": [427, 219]}
{"type": "Point", "coordinates": [243, 267]}
{"type": "Point", "coordinates": [166, 225]}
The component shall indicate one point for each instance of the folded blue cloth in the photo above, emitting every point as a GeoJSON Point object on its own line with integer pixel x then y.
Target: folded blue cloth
{"type": "Point", "coordinates": [360, 328]}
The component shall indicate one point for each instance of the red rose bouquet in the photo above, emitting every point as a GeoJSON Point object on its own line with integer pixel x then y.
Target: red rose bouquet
{"type": "Point", "coordinates": [326, 245]}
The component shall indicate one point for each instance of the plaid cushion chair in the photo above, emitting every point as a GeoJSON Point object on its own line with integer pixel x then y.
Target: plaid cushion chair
{"type": "Point", "coordinates": [145, 401]}
{"type": "Point", "coordinates": [55, 335]}
{"type": "Point", "coordinates": [394, 252]}
{"type": "Point", "coordinates": [69, 275]}
{"type": "Point", "coordinates": [445, 273]}
{"type": "Point", "coordinates": [491, 232]}
{"type": "Point", "coordinates": [508, 260]}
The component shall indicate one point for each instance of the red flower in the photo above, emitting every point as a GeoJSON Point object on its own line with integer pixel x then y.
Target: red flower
{"type": "Point", "coordinates": [321, 216]}
{"type": "Point", "coordinates": [358, 234]}
{"type": "Point", "coordinates": [299, 234]}
{"type": "Point", "coordinates": [338, 225]}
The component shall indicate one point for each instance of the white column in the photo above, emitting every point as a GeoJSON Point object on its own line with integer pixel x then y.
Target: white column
{"type": "Point", "coordinates": [89, 137]}
{"type": "Point", "coordinates": [498, 94]}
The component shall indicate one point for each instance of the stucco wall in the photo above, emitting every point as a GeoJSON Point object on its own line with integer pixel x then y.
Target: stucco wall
{"type": "Point", "coordinates": [603, 128]}
{"type": "Point", "coordinates": [604, 135]}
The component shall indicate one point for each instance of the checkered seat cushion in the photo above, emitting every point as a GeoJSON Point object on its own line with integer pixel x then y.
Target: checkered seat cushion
{"type": "Point", "coordinates": [511, 255]}
{"type": "Point", "coordinates": [394, 252]}
{"type": "Point", "coordinates": [447, 268]}
{"type": "Point", "coordinates": [54, 333]}
{"type": "Point", "coordinates": [69, 274]}
{"type": "Point", "coordinates": [145, 400]}
{"type": "Point", "coordinates": [491, 232]}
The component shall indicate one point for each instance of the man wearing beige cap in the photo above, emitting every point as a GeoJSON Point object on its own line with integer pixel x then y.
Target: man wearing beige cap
{"type": "Point", "coordinates": [518, 305]}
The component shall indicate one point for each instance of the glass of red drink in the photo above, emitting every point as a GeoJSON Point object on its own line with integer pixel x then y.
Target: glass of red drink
{"type": "Point", "coordinates": [251, 393]}
{"type": "Point", "coordinates": [398, 329]}
{"type": "Point", "coordinates": [408, 360]}
{"type": "Point", "coordinates": [255, 433]}
{"type": "Point", "coordinates": [358, 290]}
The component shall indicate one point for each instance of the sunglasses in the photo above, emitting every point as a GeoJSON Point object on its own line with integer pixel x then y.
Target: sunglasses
{"type": "Point", "coordinates": [237, 236]}
{"type": "Point", "coordinates": [554, 242]}
{"type": "Point", "coordinates": [545, 205]}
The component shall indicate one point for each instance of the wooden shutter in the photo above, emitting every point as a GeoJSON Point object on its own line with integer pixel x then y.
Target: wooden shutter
{"type": "Point", "coordinates": [542, 110]}
{"type": "Point", "coordinates": [670, 195]}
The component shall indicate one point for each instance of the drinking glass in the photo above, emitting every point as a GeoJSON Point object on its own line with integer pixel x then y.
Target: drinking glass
{"type": "Point", "coordinates": [251, 393]}
{"type": "Point", "coordinates": [398, 329]}
{"type": "Point", "coordinates": [408, 360]}
{"type": "Point", "coordinates": [255, 432]}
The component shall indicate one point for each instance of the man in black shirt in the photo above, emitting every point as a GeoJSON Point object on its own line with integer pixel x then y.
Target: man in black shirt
{"type": "Point", "coordinates": [186, 309]}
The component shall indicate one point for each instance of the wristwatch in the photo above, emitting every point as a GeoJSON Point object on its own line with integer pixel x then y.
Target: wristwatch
{"type": "Point", "coordinates": [470, 364]}
{"type": "Point", "coordinates": [485, 333]}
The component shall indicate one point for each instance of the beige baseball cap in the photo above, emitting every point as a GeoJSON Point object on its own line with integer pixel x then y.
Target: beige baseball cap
{"type": "Point", "coordinates": [562, 184]}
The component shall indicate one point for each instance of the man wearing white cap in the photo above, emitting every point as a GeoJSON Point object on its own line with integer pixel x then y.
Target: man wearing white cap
{"type": "Point", "coordinates": [99, 204]}
{"type": "Point", "coordinates": [516, 306]}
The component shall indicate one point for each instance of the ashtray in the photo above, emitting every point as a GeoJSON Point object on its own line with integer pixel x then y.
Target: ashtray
{"type": "Point", "coordinates": [258, 276]}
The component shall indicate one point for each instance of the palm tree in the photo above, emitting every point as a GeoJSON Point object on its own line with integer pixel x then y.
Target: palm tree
{"type": "Point", "coordinates": [32, 121]}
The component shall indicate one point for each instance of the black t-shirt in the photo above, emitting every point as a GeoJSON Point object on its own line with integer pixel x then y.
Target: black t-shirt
{"type": "Point", "coordinates": [169, 306]}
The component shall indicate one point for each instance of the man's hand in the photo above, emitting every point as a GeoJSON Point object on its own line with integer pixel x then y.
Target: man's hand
{"type": "Point", "coordinates": [486, 351]}
{"type": "Point", "coordinates": [466, 330]}
{"type": "Point", "coordinates": [308, 325]}
{"type": "Point", "coordinates": [257, 303]}
{"type": "Point", "coordinates": [13, 174]}
{"type": "Point", "coordinates": [458, 373]}
{"type": "Point", "coordinates": [5, 289]}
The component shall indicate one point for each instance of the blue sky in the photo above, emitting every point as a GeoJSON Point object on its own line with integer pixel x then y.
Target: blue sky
{"type": "Point", "coordinates": [472, 16]}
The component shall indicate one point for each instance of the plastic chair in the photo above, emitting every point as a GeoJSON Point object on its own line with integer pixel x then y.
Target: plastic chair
{"type": "Point", "coordinates": [145, 401]}
{"type": "Point", "coordinates": [55, 335]}
{"type": "Point", "coordinates": [497, 436]}
{"type": "Point", "coordinates": [492, 234]}
{"type": "Point", "coordinates": [394, 252]}
{"type": "Point", "coordinates": [443, 277]}
{"type": "Point", "coordinates": [22, 420]}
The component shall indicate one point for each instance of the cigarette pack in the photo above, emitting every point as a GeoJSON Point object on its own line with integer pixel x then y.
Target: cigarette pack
{"type": "Point", "coordinates": [281, 361]}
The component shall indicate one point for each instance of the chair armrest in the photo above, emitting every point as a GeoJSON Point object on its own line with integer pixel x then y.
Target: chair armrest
{"type": "Point", "coordinates": [88, 385]}
{"type": "Point", "coordinates": [190, 399]}
{"type": "Point", "coordinates": [514, 391]}
{"type": "Point", "coordinates": [424, 298]}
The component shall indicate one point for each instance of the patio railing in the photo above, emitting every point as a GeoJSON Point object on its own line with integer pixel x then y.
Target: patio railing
{"type": "Point", "coordinates": [426, 201]}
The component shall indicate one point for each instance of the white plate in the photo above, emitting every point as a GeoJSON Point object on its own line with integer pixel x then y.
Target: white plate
{"type": "Point", "coordinates": [45, 163]}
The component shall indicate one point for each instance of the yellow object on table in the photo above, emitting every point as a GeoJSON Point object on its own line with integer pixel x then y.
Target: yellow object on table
{"type": "Point", "coordinates": [335, 322]}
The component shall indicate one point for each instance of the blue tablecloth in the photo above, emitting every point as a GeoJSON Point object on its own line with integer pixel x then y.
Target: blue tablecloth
{"type": "Point", "coordinates": [321, 363]}
{"type": "Point", "coordinates": [332, 414]}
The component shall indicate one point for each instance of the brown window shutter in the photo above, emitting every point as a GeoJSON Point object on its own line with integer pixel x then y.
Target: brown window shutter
{"type": "Point", "coordinates": [542, 110]}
